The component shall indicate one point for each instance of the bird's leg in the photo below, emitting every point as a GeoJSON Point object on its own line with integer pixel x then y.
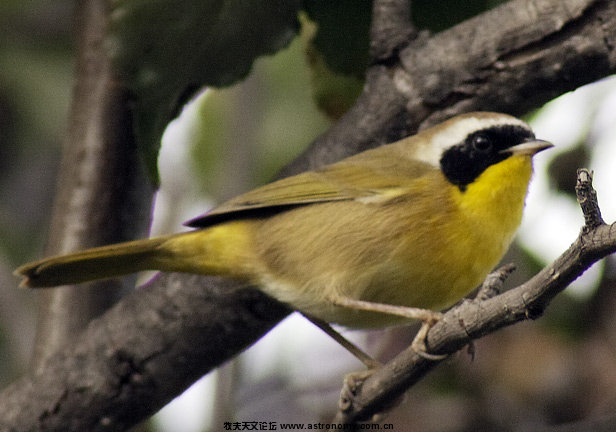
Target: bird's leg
{"type": "Point", "coordinates": [347, 344]}
{"type": "Point", "coordinates": [427, 317]}
{"type": "Point", "coordinates": [419, 342]}
{"type": "Point", "coordinates": [353, 380]}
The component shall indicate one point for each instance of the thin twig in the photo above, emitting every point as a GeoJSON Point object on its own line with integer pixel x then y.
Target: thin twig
{"type": "Point", "coordinates": [493, 284]}
{"type": "Point", "coordinates": [587, 198]}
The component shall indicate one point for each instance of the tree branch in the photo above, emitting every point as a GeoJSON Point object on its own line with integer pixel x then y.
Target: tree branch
{"type": "Point", "coordinates": [533, 50]}
{"type": "Point", "coordinates": [391, 28]}
{"type": "Point", "coordinates": [473, 319]}
{"type": "Point", "coordinates": [103, 195]}
{"type": "Point", "coordinates": [511, 59]}
{"type": "Point", "coordinates": [142, 353]}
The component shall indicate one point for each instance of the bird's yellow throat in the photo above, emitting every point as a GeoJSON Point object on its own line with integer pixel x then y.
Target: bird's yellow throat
{"type": "Point", "coordinates": [496, 198]}
{"type": "Point", "coordinates": [418, 223]}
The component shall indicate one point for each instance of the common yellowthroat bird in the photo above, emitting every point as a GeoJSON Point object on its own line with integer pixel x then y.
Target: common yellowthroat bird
{"type": "Point", "coordinates": [370, 241]}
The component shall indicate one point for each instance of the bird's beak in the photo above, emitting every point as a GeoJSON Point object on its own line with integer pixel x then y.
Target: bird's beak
{"type": "Point", "coordinates": [529, 148]}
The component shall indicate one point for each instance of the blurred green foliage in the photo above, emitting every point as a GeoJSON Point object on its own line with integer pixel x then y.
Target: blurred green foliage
{"type": "Point", "coordinates": [271, 113]}
{"type": "Point", "coordinates": [342, 35]}
{"type": "Point", "coordinates": [163, 49]}
{"type": "Point", "coordinates": [35, 83]}
{"type": "Point", "coordinates": [440, 15]}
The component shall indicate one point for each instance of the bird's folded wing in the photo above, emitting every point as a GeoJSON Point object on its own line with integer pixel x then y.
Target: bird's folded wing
{"type": "Point", "coordinates": [366, 176]}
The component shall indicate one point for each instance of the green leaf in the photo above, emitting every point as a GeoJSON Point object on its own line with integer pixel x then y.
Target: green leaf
{"type": "Point", "coordinates": [338, 51]}
{"type": "Point", "coordinates": [334, 93]}
{"type": "Point", "coordinates": [343, 31]}
{"type": "Point", "coordinates": [440, 15]}
{"type": "Point", "coordinates": [164, 50]}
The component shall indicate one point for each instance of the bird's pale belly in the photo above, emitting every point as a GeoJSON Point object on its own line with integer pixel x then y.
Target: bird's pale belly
{"type": "Point", "coordinates": [440, 255]}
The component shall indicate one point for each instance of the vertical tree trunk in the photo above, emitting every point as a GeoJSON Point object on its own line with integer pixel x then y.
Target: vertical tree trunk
{"type": "Point", "coordinates": [103, 195]}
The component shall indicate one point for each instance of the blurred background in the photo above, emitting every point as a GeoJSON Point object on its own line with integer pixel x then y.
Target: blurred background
{"type": "Point", "coordinates": [554, 370]}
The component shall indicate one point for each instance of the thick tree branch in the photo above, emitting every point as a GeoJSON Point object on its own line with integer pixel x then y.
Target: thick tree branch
{"type": "Point", "coordinates": [511, 59]}
{"type": "Point", "coordinates": [143, 352]}
{"type": "Point", "coordinates": [391, 28]}
{"type": "Point", "coordinates": [180, 327]}
{"type": "Point", "coordinates": [473, 319]}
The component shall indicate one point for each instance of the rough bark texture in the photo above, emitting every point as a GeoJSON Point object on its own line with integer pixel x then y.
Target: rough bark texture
{"type": "Point", "coordinates": [103, 194]}
{"type": "Point", "coordinates": [156, 341]}
{"type": "Point", "coordinates": [143, 352]}
{"type": "Point", "coordinates": [511, 59]}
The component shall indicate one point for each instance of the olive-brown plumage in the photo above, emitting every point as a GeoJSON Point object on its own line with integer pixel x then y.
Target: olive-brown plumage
{"type": "Point", "coordinates": [416, 223]}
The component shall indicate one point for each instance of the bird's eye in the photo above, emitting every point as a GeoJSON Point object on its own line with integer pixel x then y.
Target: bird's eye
{"type": "Point", "coordinates": [481, 143]}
